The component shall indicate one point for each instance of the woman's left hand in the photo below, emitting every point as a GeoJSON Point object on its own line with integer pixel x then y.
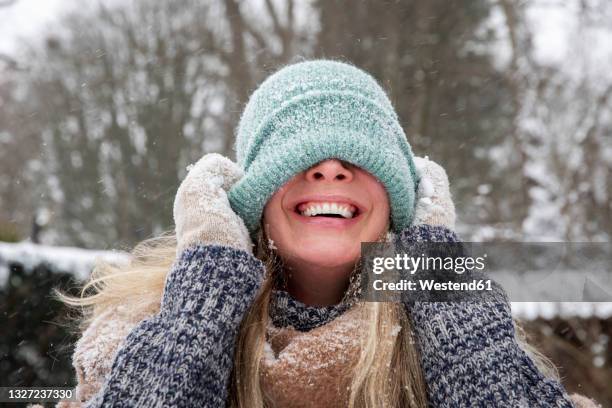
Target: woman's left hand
{"type": "Point", "coordinates": [468, 348]}
{"type": "Point", "coordinates": [434, 204]}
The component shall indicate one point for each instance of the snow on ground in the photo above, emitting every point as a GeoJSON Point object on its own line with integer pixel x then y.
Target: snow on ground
{"type": "Point", "coordinates": [77, 261]}
{"type": "Point", "coordinates": [548, 310]}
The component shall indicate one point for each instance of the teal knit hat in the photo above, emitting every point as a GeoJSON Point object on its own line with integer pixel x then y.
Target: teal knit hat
{"type": "Point", "coordinates": [315, 110]}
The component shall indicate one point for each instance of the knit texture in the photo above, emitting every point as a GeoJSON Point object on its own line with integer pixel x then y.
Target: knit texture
{"type": "Point", "coordinates": [316, 110]}
{"type": "Point", "coordinates": [286, 311]}
{"type": "Point", "coordinates": [182, 355]}
{"type": "Point", "coordinates": [312, 369]}
{"type": "Point", "coordinates": [469, 353]}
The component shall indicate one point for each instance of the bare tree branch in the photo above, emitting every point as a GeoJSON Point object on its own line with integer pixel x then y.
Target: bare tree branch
{"type": "Point", "coordinates": [285, 34]}
{"type": "Point", "coordinates": [278, 28]}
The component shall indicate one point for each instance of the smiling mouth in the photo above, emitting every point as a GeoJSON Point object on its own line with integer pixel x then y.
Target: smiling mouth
{"type": "Point", "coordinates": [327, 209]}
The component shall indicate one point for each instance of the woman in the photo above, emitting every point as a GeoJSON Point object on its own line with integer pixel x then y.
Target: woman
{"type": "Point", "coordinates": [203, 318]}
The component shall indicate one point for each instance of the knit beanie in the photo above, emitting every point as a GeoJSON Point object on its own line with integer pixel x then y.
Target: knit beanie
{"type": "Point", "coordinates": [311, 111]}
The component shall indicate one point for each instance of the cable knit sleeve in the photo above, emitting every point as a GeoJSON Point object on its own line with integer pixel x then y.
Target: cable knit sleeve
{"type": "Point", "coordinates": [95, 350]}
{"type": "Point", "coordinates": [183, 355]}
{"type": "Point", "coordinates": [469, 352]}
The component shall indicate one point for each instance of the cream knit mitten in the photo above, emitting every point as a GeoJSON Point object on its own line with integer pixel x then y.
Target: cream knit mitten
{"type": "Point", "coordinates": [434, 203]}
{"type": "Point", "coordinates": [202, 213]}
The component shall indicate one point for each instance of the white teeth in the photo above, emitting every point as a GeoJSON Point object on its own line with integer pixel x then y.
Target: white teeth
{"type": "Point", "coordinates": [328, 208]}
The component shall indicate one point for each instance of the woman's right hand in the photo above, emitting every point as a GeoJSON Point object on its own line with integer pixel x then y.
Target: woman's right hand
{"type": "Point", "coordinates": [188, 346]}
{"type": "Point", "coordinates": [202, 213]}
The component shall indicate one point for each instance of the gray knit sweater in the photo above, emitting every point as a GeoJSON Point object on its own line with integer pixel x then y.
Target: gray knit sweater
{"type": "Point", "coordinates": [182, 357]}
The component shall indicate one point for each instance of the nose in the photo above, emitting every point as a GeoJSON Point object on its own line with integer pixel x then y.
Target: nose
{"type": "Point", "coordinates": [330, 170]}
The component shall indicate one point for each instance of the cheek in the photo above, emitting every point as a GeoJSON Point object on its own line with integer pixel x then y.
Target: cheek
{"type": "Point", "coordinates": [275, 222]}
{"type": "Point", "coordinates": [378, 223]}
{"type": "Point", "coordinates": [381, 211]}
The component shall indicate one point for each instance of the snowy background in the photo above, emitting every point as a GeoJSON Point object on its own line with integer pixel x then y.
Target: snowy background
{"type": "Point", "coordinates": [103, 105]}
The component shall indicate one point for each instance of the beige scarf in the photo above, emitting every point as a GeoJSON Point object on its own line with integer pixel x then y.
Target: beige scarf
{"type": "Point", "coordinates": [312, 369]}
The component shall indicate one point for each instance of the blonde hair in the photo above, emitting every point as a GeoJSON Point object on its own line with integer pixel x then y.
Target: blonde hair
{"type": "Point", "coordinates": [387, 374]}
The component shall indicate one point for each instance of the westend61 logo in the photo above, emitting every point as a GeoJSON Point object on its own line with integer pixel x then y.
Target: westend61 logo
{"type": "Point", "coordinates": [527, 272]}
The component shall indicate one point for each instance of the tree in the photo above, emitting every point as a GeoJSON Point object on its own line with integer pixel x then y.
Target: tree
{"type": "Point", "coordinates": [127, 97]}
{"type": "Point", "coordinates": [20, 163]}
{"type": "Point", "coordinates": [435, 59]}
{"type": "Point", "coordinates": [561, 135]}
{"type": "Point", "coordinates": [121, 99]}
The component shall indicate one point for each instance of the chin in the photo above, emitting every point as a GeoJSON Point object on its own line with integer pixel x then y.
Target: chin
{"type": "Point", "coordinates": [329, 254]}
